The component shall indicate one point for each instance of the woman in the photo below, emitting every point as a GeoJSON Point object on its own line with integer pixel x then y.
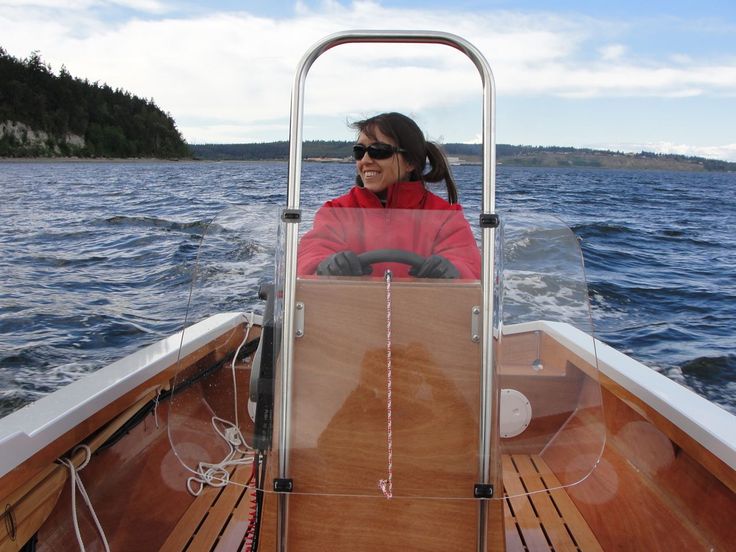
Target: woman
{"type": "Point", "coordinates": [391, 155]}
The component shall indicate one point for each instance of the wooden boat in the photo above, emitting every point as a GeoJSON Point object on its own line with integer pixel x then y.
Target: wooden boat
{"type": "Point", "coordinates": [505, 427]}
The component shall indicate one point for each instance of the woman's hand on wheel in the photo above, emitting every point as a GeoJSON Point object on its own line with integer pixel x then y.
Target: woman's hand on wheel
{"type": "Point", "coordinates": [435, 266]}
{"type": "Point", "coordinates": [344, 263]}
{"type": "Point", "coordinates": [347, 263]}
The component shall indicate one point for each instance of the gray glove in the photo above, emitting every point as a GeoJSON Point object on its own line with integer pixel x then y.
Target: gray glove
{"type": "Point", "coordinates": [344, 263]}
{"type": "Point", "coordinates": [435, 266]}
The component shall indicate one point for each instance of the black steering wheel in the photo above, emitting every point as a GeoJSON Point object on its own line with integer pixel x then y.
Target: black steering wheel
{"type": "Point", "coordinates": [391, 256]}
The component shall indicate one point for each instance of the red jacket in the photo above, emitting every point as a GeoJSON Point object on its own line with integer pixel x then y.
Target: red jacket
{"type": "Point", "coordinates": [413, 219]}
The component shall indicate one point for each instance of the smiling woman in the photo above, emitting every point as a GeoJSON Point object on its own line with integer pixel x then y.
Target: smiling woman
{"type": "Point", "coordinates": [391, 155]}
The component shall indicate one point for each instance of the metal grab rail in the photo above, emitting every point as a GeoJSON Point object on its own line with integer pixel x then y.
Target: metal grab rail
{"type": "Point", "coordinates": [488, 400]}
{"type": "Point", "coordinates": [405, 37]}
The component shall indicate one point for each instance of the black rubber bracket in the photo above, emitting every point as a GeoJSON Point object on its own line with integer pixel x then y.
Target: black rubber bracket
{"type": "Point", "coordinates": [264, 290]}
{"type": "Point", "coordinates": [291, 215]}
{"type": "Point", "coordinates": [489, 220]}
{"type": "Point", "coordinates": [283, 485]}
{"type": "Point", "coordinates": [483, 490]}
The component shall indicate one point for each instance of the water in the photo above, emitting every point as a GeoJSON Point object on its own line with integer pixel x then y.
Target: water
{"type": "Point", "coordinates": [97, 258]}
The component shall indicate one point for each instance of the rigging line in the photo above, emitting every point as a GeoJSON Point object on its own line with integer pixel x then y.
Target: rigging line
{"type": "Point", "coordinates": [76, 483]}
{"type": "Point", "coordinates": [249, 532]}
{"type": "Point", "coordinates": [386, 485]}
{"type": "Point", "coordinates": [254, 526]}
{"type": "Point", "coordinates": [250, 317]}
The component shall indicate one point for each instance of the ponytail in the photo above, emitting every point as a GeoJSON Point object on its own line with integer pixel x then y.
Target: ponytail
{"type": "Point", "coordinates": [440, 170]}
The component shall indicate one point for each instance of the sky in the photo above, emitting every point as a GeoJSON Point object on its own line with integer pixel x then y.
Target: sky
{"type": "Point", "coordinates": [626, 75]}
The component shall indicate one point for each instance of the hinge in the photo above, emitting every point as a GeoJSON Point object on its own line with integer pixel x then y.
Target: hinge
{"type": "Point", "coordinates": [483, 490]}
{"type": "Point", "coordinates": [283, 485]}
{"type": "Point", "coordinates": [291, 215]}
{"type": "Point", "coordinates": [489, 220]}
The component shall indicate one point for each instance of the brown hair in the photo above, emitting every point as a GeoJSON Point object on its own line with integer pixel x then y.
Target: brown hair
{"type": "Point", "coordinates": [408, 136]}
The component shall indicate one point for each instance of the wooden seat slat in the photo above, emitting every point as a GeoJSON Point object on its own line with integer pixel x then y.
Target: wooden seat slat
{"type": "Point", "coordinates": [220, 514]}
{"type": "Point", "coordinates": [554, 524]}
{"type": "Point", "coordinates": [523, 513]}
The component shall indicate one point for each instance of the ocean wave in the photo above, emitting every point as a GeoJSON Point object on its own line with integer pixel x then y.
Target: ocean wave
{"type": "Point", "coordinates": [711, 369]}
{"type": "Point", "coordinates": [529, 296]}
{"type": "Point", "coordinates": [197, 226]}
{"type": "Point", "coordinates": [602, 228]}
{"type": "Point", "coordinates": [32, 373]}
{"type": "Point", "coordinates": [713, 377]}
{"type": "Point", "coordinates": [66, 260]}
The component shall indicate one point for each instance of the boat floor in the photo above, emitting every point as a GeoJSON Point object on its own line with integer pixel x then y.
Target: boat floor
{"type": "Point", "coordinates": [545, 520]}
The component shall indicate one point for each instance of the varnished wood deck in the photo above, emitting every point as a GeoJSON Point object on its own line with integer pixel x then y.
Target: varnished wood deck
{"type": "Point", "coordinates": [546, 520]}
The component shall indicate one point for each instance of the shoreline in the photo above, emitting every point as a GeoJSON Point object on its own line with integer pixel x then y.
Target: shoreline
{"type": "Point", "coordinates": [121, 160]}
{"type": "Point", "coordinates": [501, 163]}
{"type": "Point", "coordinates": [90, 160]}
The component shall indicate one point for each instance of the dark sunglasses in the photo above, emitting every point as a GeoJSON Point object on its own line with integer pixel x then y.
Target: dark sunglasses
{"type": "Point", "coordinates": [377, 150]}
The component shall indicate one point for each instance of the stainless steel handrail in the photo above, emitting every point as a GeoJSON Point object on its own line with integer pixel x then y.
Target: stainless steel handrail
{"type": "Point", "coordinates": [488, 404]}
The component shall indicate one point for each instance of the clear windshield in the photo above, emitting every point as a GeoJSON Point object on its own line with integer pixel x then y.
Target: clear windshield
{"type": "Point", "coordinates": [211, 415]}
{"type": "Point", "coordinates": [385, 375]}
{"type": "Point", "coordinates": [363, 335]}
{"type": "Point", "coordinates": [551, 422]}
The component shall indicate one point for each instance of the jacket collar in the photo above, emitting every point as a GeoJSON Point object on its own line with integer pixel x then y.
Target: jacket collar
{"type": "Point", "coordinates": [401, 195]}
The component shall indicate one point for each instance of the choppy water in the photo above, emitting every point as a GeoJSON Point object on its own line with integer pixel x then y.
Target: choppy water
{"type": "Point", "coordinates": [97, 258]}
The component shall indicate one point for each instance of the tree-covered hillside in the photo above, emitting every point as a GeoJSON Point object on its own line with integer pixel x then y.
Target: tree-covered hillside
{"type": "Point", "coordinates": [522, 156]}
{"type": "Point", "coordinates": [276, 151]}
{"type": "Point", "coordinates": [42, 114]}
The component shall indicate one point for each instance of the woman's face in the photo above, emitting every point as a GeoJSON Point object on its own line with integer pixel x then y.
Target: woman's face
{"type": "Point", "coordinates": [379, 174]}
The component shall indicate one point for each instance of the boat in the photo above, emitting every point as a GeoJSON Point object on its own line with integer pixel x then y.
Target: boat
{"type": "Point", "coordinates": [375, 413]}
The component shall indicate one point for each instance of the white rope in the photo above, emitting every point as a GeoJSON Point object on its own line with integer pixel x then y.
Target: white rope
{"type": "Point", "coordinates": [76, 483]}
{"type": "Point", "coordinates": [386, 485]}
{"type": "Point", "coordinates": [250, 317]}
{"type": "Point", "coordinates": [217, 474]}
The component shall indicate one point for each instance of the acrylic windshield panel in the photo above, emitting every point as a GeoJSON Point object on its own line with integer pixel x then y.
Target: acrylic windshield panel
{"type": "Point", "coordinates": [356, 335]}
{"type": "Point", "coordinates": [211, 417]}
{"type": "Point", "coordinates": [551, 417]}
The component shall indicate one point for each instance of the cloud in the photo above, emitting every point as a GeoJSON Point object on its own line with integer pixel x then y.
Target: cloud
{"type": "Point", "coordinates": [612, 52]}
{"type": "Point", "coordinates": [627, 80]}
{"type": "Point", "coordinates": [146, 6]}
{"type": "Point", "coordinates": [228, 76]}
{"type": "Point", "coordinates": [726, 152]}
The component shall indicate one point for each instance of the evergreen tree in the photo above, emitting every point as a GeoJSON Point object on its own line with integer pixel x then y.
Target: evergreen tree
{"type": "Point", "coordinates": [112, 123]}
